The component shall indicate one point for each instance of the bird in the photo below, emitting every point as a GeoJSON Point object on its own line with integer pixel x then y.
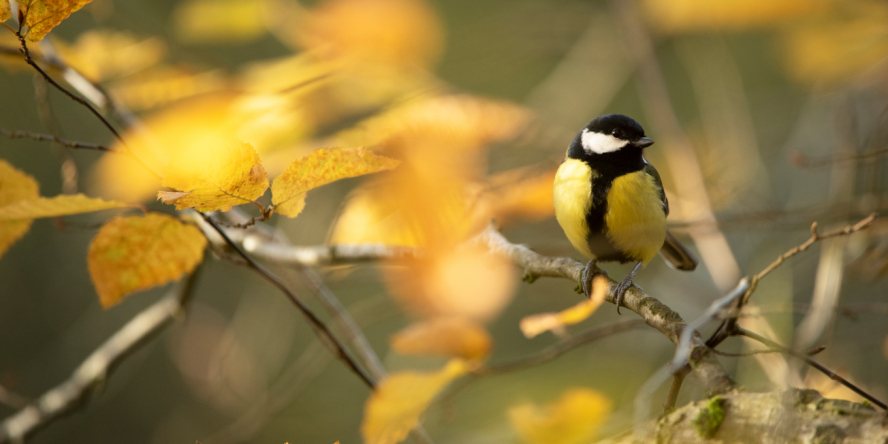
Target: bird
{"type": "Point", "coordinates": [610, 202]}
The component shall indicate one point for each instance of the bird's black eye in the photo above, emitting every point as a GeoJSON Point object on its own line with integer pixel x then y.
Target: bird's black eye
{"type": "Point", "coordinates": [617, 133]}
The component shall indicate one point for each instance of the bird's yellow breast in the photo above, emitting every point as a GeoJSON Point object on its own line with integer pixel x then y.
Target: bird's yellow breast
{"type": "Point", "coordinates": [635, 219]}
{"type": "Point", "coordinates": [572, 194]}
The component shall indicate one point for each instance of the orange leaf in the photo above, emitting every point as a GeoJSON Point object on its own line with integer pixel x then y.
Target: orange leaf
{"type": "Point", "coordinates": [15, 186]}
{"type": "Point", "coordinates": [394, 408]}
{"type": "Point", "coordinates": [214, 176]}
{"type": "Point", "coordinates": [62, 205]}
{"type": "Point", "coordinates": [536, 324]}
{"type": "Point", "coordinates": [134, 253]}
{"type": "Point", "coordinates": [451, 336]}
{"type": "Point", "coordinates": [466, 281]}
{"type": "Point", "coordinates": [43, 15]}
{"type": "Point", "coordinates": [572, 419]}
{"type": "Point", "coordinates": [321, 167]}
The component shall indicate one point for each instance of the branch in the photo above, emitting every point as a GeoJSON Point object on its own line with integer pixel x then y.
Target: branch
{"type": "Point", "coordinates": [20, 134]}
{"type": "Point", "coordinates": [97, 367]}
{"type": "Point", "coordinates": [702, 361]}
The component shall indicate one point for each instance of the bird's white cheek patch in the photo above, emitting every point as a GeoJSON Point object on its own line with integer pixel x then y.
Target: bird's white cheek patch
{"type": "Point", "coordinates": [598, 143]}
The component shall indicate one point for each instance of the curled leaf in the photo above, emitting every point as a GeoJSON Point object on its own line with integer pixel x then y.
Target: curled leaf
{"type": "Point", "coordinates": [321, 167]}
{"type": "Point", "coordinates": [134, 253]}
{"type": "Point", "coordinates": [5, 12]}
{"type": "Point", "coordinates": [534, 325]}
{"type": "Point", "coordinates": [62, 205]}
{"type": "Point", "coordinates": [43, 15]}
{"type": "Point", "coordinates": [450, 336]}
{"type": "Point", "coordinates": [214, 176]}
{"type": "Point", "coordinates": [394, 408]}
{"type": "Point", "coordinates": [15, 186]}
{"type": "Point", "coordinates": [572, 419]}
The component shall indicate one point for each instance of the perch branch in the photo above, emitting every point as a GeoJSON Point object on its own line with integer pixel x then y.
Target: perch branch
{"type": "Point", "coordinates": [655, 314]}
{"type": "Point", "coordinates": [97, 367]}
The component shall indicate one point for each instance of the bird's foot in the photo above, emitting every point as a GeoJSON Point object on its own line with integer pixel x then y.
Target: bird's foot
{"type": "Point", "coordinates": [624, 285]}
{"type": "Point", "coordinates": [588, 273]}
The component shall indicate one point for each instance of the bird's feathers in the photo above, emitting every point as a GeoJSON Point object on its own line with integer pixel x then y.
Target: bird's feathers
{"type": "Point", "coordinates": [571, 194]}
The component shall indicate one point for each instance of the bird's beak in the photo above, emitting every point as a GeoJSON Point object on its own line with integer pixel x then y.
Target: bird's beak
{"type": "Point", "coordinates": [644, 142]}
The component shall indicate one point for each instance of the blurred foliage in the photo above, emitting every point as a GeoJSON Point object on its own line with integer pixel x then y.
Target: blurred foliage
{"type": "Point", "coordinates": [783, 101]}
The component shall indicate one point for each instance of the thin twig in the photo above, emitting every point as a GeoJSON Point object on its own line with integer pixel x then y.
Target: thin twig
{"type": "Point", "coordinates": [346, 323]}
{"type": "Point", "coordinates": [677, 380]}
{"type": "Point", "coordinates": [21, 134]}
{"type": "Point", "coordinates": [97, 367]}
{"type": "Point", "coordinates": [832, 375]}
{"type": "Point", "coordinates": [319, 327]}
{"type": "Point", "coordinates": [555, 350]}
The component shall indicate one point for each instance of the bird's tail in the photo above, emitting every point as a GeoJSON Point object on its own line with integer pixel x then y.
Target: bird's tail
{"type": "Point", "coordinates": [676, 255]}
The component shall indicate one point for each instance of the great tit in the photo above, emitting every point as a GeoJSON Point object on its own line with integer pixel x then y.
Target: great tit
{"type": "Point", "coordinates": [610, 201]}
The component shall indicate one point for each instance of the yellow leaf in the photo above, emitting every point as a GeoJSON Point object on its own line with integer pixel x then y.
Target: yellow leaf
{"type": "Point", "coordinates": [572, 419]}
{"type": "Point", "coordinates": [536, 324]}
{"type": "Point", "coordinates": [321, 167]}
{"type": "Point", "coordinates": [214, 176]}
{"type": "Point", "coordinates": [134, 253]}
{"type": "Point", "coordinates": [394, 408]}
{"type": "Point", "coordinates": [43, 15]}
{"type": "Point", "coordinates": [447, 336]}
{"type": "Point", "coordinates": [220, 20]}
{"type": "Point", "coordinates": [102, 54]}
{"type": "Point", "coordinates": [62, 205]}
{"type": "Point", "coordinates": [15, 186]}
{"type": "Point", "coordinates": [5, 12]}
{"type": "Point", "coordinates": [691, 15]}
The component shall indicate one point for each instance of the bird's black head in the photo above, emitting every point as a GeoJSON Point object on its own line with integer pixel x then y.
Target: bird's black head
{"type": "Point", "coordinates": [610, 133]}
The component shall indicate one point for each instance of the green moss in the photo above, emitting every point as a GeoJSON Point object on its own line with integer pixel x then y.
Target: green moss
{"type": "Point", "coordinates": [710, 417]}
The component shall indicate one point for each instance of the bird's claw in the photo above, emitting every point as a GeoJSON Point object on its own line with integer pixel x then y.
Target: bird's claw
{"type": "Point", "coordinates": [588, 274]}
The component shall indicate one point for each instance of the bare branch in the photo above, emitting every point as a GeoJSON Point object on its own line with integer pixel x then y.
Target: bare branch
{"type": "Point", "coordinates": [97, 367]}
{"type": "Point", "coordinates": [319, 327]}
{"type": "Point", "coordinates": [21, 134]}
{"type": "Point", "coordinates": [74, 97]}
{"type": "Point", "coordinates": [804, 357]}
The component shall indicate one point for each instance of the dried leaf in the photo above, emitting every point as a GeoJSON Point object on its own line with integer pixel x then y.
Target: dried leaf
{"type": "Point", "coordinates": [321, 167]}
{"type": "Point", "coordinates": [15, 186]}
{"type": "Point", "coordinates": [215, 176]}
{"type": "Point", "coordinates": [394, 408]}
{"type": "Point", "coordinates": [5, 12]}
{"type": "Point", "coordinates": [134, 253]}
{"type": "Point", "coordinates": [572, 419]}
{"type": "Point", "coordinates": [62, 205]}
{"type": "Point", "coordinates": [444, 336]}
{"type": "Point", "coordinates": [199, 21]}
{"type": "Point", "coordinates": [43, 15]}
{"type": "Point", "coordinates": [536, 324]}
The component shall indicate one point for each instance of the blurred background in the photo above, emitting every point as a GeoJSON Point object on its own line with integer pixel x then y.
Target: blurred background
{"type": "Point", "coordinates": [768, 115]}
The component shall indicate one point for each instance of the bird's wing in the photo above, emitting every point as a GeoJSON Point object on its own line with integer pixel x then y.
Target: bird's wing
{"type": "Point", "coordinates": [651, 171]}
